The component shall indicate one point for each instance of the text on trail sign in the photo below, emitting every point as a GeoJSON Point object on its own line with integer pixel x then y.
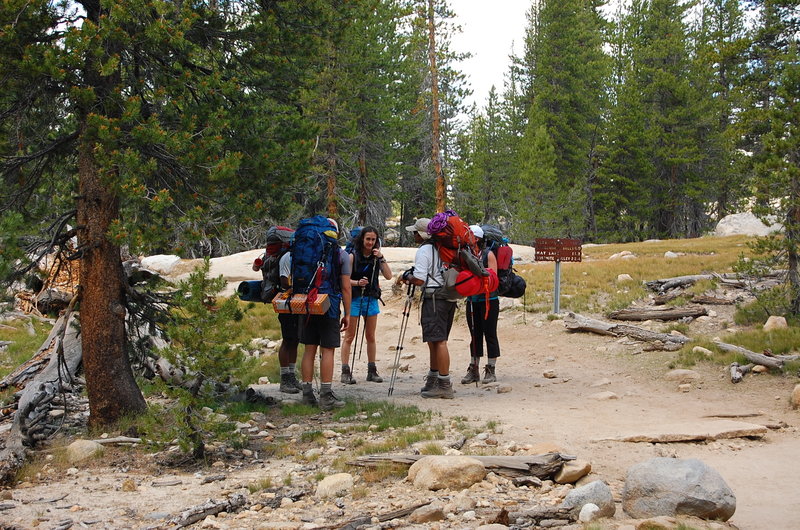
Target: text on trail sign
{"type": "Point", "coordinates": [557, 249]}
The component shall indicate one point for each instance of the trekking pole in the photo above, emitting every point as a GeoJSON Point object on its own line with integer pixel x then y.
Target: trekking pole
{"type": "Point", "coordinates": [403, 325]}
{"type": "Point", "coordinates": [471, 326]}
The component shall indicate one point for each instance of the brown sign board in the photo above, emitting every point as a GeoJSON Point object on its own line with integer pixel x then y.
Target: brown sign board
{"type": "Point", "coordinates": [557, 249]}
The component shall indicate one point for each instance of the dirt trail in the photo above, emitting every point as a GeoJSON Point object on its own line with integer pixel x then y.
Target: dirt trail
{"type": "Point", "coordinates": [764, 474]}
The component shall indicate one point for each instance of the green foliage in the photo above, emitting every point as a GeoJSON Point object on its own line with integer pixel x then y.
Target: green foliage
{"type": "Point", "coordinates": [26, 337]}
{"type": "Point", "coordinates": [385, 415]}
{"type": "Point", "coordinates": [200, 334]}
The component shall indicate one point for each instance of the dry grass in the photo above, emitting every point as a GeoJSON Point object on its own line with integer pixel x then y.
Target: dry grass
{"type": "Point", "coordinates": [591, 285]}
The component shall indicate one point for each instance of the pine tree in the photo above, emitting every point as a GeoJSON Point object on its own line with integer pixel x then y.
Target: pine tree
{"type": "Point", "coordinates": [773, 131]}
{"type": "Point", "coordinates": [164, 122]}
{"type": "Point", "coordinates": [567, 70]}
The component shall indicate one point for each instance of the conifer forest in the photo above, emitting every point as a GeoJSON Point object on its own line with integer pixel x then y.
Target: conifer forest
{"type": "Point", "coordinates": [189, 127]}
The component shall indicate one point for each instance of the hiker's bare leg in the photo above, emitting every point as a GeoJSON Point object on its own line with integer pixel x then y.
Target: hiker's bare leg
{"type": "Point", "coordinates": [307, 368]}
{"type": "Point", "coordinates": [370, 324]}
{"type": "Point", "coordinates": [347, 343]}
{"type": "Point", "coordinates": [287, 354]}
{"type": "Point", "coordinates": [325, 365]}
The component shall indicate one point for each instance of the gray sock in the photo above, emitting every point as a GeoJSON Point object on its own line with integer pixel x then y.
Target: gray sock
{"type": "Point", "coordinates": [492, 361]}
{"type": "Point", "coordinates": [326, 388]}
{"type": "Point", "coordinates": [307, 389]}
{"type": "Point", "coordinates": [285, 370]}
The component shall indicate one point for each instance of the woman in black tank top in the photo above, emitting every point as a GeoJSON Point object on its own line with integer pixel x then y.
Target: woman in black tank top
{"type": "Point", "coordinates": [367, 262]}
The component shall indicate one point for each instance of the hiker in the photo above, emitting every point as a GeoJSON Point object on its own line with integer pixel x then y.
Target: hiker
{"type": "Point", "coordinates": [366, 261]}
{"type": "Point", "coordinates": [436, 315]}
{"type": "Point", "coordinates": [290, 333]}
{"type": "Point", "coordinates": [482, 323]}
{"type": "Point", "coordinates": [275, 265]}
{"type": "Point", "coordinates": [324, 271]}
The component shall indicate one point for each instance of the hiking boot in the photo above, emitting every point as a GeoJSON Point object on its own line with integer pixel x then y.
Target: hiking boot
{"type": "Point", "coordinates": [443, 390]}
{"type": "Point", "coordinates": [430, 383]}
{"type": "Point", "coordinates": [473, 375]}
{"type": "Point", "coordinates": [328, 401]}
{"type": "Point", "coordinates": [347, 377]}
{"type": "Point", "coordinates": [310, 399]}
{"type": "Point", "coordinates": [488, 374]}
{"type": "Point", "coordinates": [372, 375]}
{"type": "Point", "coordinates": [289, 384]}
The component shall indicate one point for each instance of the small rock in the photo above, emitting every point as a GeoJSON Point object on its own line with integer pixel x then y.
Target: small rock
{"type": "Point", "coordinates": [624, 278]}
{"type": "Point", "coordinates": [83, 449]}
{"type": "Point", "coordinates": [670, 255]}
{"type": "Point", "coordinates": [604, 396]}
{"type": "Point", "coordinates": [775, 322]}
{"type": "Point", "coordinates": [589, 512]}
{"type": "Point", "coordinates": [794, 401]}
{"type": "Point", "coordinates": [549, 374]}
{"type": "Point", "coordinates": [263, 380]}
{"type": "Point", "coordinates": [702, 351]}
{"type": "Point", "coordinates": [503, 389]}
{"type": "Point", "coordinates": [760, 369]}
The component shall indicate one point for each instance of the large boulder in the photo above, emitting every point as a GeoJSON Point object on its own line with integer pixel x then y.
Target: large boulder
{"type": "Point", "coordinates": [446, 472]}
{"type": "Point", "coordinates": [670, 486]}
{"type": "Point", "coordinates": [745, 224]}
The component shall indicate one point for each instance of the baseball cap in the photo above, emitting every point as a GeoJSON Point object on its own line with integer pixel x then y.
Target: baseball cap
{"type": "Point", "coordinates": [477, 230]}
{"type": "Point", "coordinates": [421, 227]}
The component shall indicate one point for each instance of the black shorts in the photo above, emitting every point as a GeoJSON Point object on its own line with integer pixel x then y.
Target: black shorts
{"type": "Point", "coordinates": [289, 326]}
{"type": "Point", "coordinates": [320, 330]}
{"type": "Point", "coordinates": [437, 319]}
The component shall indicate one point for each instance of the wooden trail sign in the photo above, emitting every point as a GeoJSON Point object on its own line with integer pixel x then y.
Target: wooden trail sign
{"type": "Point", "coordinates": [557, 249]}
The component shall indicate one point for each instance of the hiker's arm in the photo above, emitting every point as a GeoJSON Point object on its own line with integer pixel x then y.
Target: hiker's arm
{"type": "Point", "coordinates": [408, 277]}
{"type": "Point", "coordinates": [385, 269]}
{"type": "Point", "coordinates": [347, 296]}
{"type": "Point", "coordinates": [492, 261]}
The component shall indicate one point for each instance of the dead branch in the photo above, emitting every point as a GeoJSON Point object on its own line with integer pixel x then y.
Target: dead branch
{"type": "Point", "coordinates": [541, 466]}
{"type": "Point", "coordinates": [576, 322]}
{"type": "Point", "coordinates": [757, 358]}
{"type": "Point", "coordinates": [658, 313]}
{"type": "Point", "coordinates": [197, 513]}
{"type": "Point", "coordinates": [367, 519]}
{"type": "Point", "coordinates": [738, 372]}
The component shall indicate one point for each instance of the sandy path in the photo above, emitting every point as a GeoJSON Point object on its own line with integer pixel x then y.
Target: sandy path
{"type": "Point", "coordinates": [764, 474]}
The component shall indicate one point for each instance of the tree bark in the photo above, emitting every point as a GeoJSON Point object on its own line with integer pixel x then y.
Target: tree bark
{"type": "Point", "coordinates": [441, 187]}
{"type": "Point", "coordinates": [110, 383]}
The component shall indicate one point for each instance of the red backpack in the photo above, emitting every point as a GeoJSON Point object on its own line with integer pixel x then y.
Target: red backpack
{"type": "Point", "coordinates": [455, 242]}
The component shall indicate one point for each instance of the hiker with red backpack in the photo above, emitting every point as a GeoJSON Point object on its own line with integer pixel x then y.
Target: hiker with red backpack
{"type": "Point", "coordinates": [482, 322]}
{"type": "Point", "coordinates": [448, 269]}
{"type": "Point", "coordinates": [366, 261]}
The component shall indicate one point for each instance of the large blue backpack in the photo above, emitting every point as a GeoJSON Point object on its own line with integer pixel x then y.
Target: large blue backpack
{"type": "Point", "coordinates": [315, 258]}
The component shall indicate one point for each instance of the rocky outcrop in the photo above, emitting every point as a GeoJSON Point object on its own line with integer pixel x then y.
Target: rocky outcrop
{"type": "Point", "coordinates": [669, 486]}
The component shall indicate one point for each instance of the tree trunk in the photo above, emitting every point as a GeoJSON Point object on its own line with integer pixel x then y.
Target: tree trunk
{"type": "Point", "coordinates": [332, 207]}
{"type": "Point", "coordinates": [109, 379]}
{"type": "Point", "coordinates": [364, 197]}
{"type": "Point", "coordinates": [441, 188]}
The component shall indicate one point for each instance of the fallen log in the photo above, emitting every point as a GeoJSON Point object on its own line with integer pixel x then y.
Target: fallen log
{"type": "Point", "coordinates": [658, 313]}
{"type": "Point", "coordinates": [576, 322]}
{"type": "Point", "coordinates": [367, 519]}
{"type": "Point", "coordinates": [197, 513]}
{"type": "Point", "coordinates": [756, 358]}
{"type": "Point", "coordinates": [710, 300]}
{"type": "Point", "coordinates": [738, 372]}
{"type": "Point", "coordinates": [39, 392]}
{"type": "Point", "coordinates": [666, 284]}
{"type": "Point", "coordinates": [541, 466]}
{"type": "Point", "coordinates": [539, 515]}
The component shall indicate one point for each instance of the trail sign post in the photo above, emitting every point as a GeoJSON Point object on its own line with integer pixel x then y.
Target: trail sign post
{"type": "Point", "coordinates": [558, 250]}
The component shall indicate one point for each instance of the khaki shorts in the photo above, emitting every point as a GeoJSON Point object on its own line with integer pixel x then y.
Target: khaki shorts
{"type": "Point", "coordinates": [437, 319]}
